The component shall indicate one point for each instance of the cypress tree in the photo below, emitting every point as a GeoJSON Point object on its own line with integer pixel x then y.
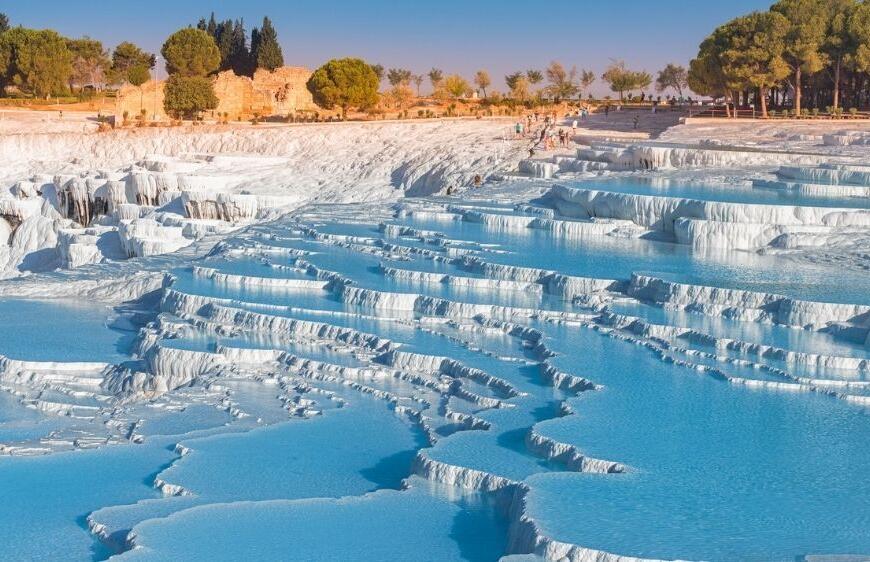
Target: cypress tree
{"type": "Point", "coordinates": [224, 40]}
{"type": "Point", "coordinates": [255, 49]}
{"type": "Point", "coordinates": [211, 28]}
{"type": "Point", "coordinates": [239, 57]}
{"type": "Point", "coordinates": [268, 53]}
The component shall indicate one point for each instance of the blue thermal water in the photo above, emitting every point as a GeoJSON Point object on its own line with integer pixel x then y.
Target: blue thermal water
{"type": "Point", "coordinates": [387, 525]}
{"type": "Point", "coordinates": [718, 472]}
{"type": "Point", "coordinates": [341, 448]}
{"type": "Point", "coordinates": [617, 258]}
{"type": "Point", "coordinates": [60, 330]}
{"type": "Point", "coordinates": [46, 499]}
{"type": "Point", "coordinates": [726, 192]}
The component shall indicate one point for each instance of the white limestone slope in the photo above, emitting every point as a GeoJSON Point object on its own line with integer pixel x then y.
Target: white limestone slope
{"type": "Point", "coordinates": [713, 224]}
{"type": "Point", "coordinates": [134, 193]}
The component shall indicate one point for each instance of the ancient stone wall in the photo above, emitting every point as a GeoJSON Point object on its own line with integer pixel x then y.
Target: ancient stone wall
{"type": "Point", "coordinates": [280, 92]}
{"type": "Point", "coordinates": [132, 100]}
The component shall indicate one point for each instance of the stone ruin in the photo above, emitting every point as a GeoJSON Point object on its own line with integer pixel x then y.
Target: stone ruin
{"type": "Point", "coordinates": [280, 92]}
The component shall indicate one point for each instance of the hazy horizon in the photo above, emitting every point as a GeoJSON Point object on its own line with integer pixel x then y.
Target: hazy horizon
{"type": "Point", "coordinates": [501, 37]}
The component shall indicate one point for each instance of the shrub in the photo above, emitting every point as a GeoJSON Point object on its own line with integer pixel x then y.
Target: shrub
{"type": "Point", "coordinates": [186, 97]}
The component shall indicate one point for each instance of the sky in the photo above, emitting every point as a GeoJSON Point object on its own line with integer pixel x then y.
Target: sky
{"type": "Point", "coordinates": [500, 36]}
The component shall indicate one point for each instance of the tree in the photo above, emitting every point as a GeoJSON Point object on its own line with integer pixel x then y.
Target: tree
{"type": "Point", "coordinates": [482, 81]}
{"type": "Point", "coordinates": [138, 75]}
{"type": "Point", "coordinates": [623, 80]}
{"type": "Point", "coordinates": [239, 58]}
{"type": "Point", "coordinates": [223, 38]}
{"type": "Point", "coordinates": [125, 58]}
{"type": "Point", "coordinates": [268, 53]}
{"type": "Point", "coordinates": [435, 77]}
{"type": "Point", "coordinates": [587, 78]}
{"type": "Point", "coordinates": [90, 62]}
{"type": "Point", "coordinates": [563, 83]}
{"type": "Point", "coordinates": [456, 86]}
{"type": "Point", "coordinates": [839, 41]}
{"type": "Point", "coordinates": [187, 96]}
{"type": "Point", "coordinates": [401, 94]}
{"type": "Point", "coordinates": [618, 77]}
{"type": "Point", "coordinates": [417, 79]}
{"type": "Point", "coordinates": [859, 34]}
{"type": "Point", "coordinates": [211, 28]}
{"type": "Point", "coordinates": [379, 71]}
{"type": "Point", "coordinates": [511, 79]}
{"type": "Point", "coordinates": [4, 22]}
{"type": "Point", "coordinates": [398, 76]}
{"type": "Point", "coordinates": [674, 77]}
{"type": "Point", "coordinates": [642, 80]}
{"type": "Point", "coordinates": [534, 77]}
{"type": "Point", "coordinates": [191, 52]}
{"type": "Point", "coordinates": [38, 62]}
{"type": "Point", "coordinates": [753, 57]}
{"type": "Point", "coordinates": [519, 86]}
{"type": "Point", "coordinates": [803, 43]}
{"type": "Point", "coordinates": [706, 74]}
{"type": "Point", "coordinates": [346, 83]}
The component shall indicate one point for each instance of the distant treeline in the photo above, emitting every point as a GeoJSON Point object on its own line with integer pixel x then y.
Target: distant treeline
{"type": "Point", "coordinates": [42, 63]}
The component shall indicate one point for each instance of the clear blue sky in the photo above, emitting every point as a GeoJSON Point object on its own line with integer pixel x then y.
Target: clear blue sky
{"type": "Point", "coordinates": [456, 36]}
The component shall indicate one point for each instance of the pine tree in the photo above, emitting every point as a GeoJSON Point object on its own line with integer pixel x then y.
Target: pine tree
{"type": "Point", "coordinates": [267, 52]}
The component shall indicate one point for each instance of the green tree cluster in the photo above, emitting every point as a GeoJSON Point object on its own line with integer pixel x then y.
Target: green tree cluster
{"type": "Point", "coordinates": [42, 63]}
{"type": "Point", "coordinates": [239, 55]}
{"type": "Point", "coordinates": [36, 61]}
{"type": "Point", "coordinates": [802, 48]}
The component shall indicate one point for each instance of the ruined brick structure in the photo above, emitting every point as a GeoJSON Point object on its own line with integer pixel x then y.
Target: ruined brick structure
{"type": "Point", "coordinates": [280, 92]}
